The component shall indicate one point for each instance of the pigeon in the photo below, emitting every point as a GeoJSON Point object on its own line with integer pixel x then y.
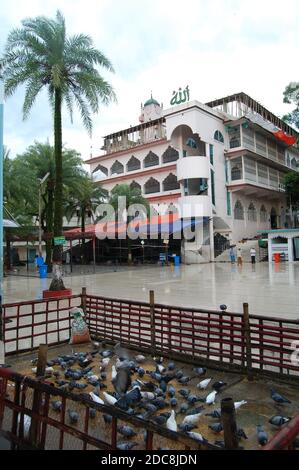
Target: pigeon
{"type": "Point", "coordinates": [187, 427]}
{"type": "Point", "coordinates": [196, 436]}
{"type": "Point", "coordinates": [107, 419]}
{"type": "Point", "coordinates": [158, 360]}
{"type": "Point", "coordinates": [171, 366]}
{"type": "Point", "coordinates": [238, 404]}
{"type": "Point", "coordinates": [223, 307]}
{"type": "Point", "coordinates": [161, 369]}
{"type": "Point", "coordinates": [79, 386]}
{"type": "Point", "coordinates": [113, 373]}
{"type": "Point", "coordinates": [105, 363]}
{"type": "Point", "coordinates": [171, 391]}
{"type": "Point", "coordinates": [159, 402]}
{"type": "Point", "coordinates": [160, 420]}
{"type": "Point", "coordinates": [183, 408]}
{"type": "Point", "coordinates": [126, 445]}
{"type": "Point", "coordinates": [216, 427]}
{"type": "Point", "coordinates": [140, 371]}
{"type": "Point", "coordinates": [279, 420]}
{"type": "Point", "coordinates": [92, 413]}
{"type": "Point", "coordinates": [199, 371]}
{"type": "Point", "coordinates": [262, 436]}
{"type": "Point", "coordinates": [218, 385]}
{"type": "Point", "coordinates": [278, 398]}
{"type": "Point", "coordinates": [150, 408]}
{"type": "Point", "coordinates": [148, 396]}
{"type": "Point", "coordinates": [171, 423]}
{"type": "Point", "coordinates": [140, 359]}
{"type": "Point", "coordinates": [126, 431]}
{"type": "Point", "coordinates": [173, 402]}
{"type": "Point", "coordinates": [211, 398]}
{"type": "Point", "coordinates": [130, 398]}
{"type": "Point", "coordinates": [122, 381]}
{"type": "Point", "coordinates": [107, 353]}
{"type": "Point", "coordinates": [220, 444]}
{"type": "Point", "coordinates": [184, 380]}
{"type": "Point", "coordinates": [179, 374]}
{"type": "Point", "coordinates": [74, 416]}
{"type": "Point", "coordinates": [215, 414]}
{"type": "Point", "coordinates": [159, 392]}
{"type": "Point", "coordinates": [191, 419]}
{"type": "Point", "coordinates": [96, 399]}
{"type": "Point", "coordinates": [184, 392]}
{"type": "Point", "coordinates": [193, 399]}
{"type": "Point", "coordinates": [241, 434]}
{"type": "Point", "coordinates": [109, 398]}
{"type": "Point", "coordinates": [56, 405]}
{"type": "Point", "coordinates": [195, 411]}
{"type": "Point", "coordinates": [95, 344]}
{"type": "Point", "coordinates": [203, 384]}
{"type": "Point", "coordinates": [163, 386]}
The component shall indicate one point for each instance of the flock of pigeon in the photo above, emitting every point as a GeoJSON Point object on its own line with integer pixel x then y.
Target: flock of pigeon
{"type": "Point", "coordinates": [145, 393]}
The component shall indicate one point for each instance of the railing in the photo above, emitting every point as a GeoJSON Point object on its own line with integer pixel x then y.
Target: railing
{"type": "Point", "coordinates": [28, 421]}
{"type": "Point", "coordinates": [285, 438]}
{"type": "Point", "coordinates": [226, 340]}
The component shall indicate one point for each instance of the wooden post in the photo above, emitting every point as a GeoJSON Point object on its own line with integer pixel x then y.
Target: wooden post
{"type": "Point", "coordinates": [2, 345]}
{"type": "Point", "coordinates": [83, 301]}
{"type": "Point", "coordinates": [228, 418]}
{"type": "Point", "coordinates": [37, 395]}
{"type": "Point", "coordinates": [248, 341]}
{"type": "Point", "coordinates": [152, 315]}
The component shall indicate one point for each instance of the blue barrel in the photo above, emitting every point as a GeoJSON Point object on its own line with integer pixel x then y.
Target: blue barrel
{"type": "Point", "coordinates": [177, 260]}
{"type": "Point", "coordinates": [43, 270]}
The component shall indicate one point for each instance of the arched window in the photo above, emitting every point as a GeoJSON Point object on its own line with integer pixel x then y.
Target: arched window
{"type": "Point", "coordinates": [101, 168]}
{"type": "Point", "coordinates": [191, 143]}
{"type": "Point", "coordinates": [135, 185]}
{"type": "Point", "coordinates": [170, 183]}
{"type": "Point", "coordinates": [219, 137]}
{"type": "Point", "coordinates": [133, 164]}
{"type": "Point", "coordinates": [238, 211]}
{"type": "Point", "coordinates": [151, 186]}
{"type": "Point", "coordinates": [263, 214]}
{"type": "Point", "coordinates": [236, 169]}
{"type": "Point", "coordinates": [170, 155]}
{"type": "Point", "coordinates": [252, 212]}
{"type": "Point", "coordinates": [294, 163]}
{"type": "Point", "coordinates": [117, 168]}
{"type": "Point", "coordinates": [151, 160]}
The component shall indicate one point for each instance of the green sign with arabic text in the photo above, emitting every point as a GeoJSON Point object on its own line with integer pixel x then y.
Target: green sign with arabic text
{"type": "Point", "coordinates": [180, 96]}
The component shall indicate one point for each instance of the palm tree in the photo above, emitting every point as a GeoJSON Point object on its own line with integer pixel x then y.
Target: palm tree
{"type": "Point", "coordinates": [41, 56]}
{"type": "Point", "coordinates": [132, 197]}
{"type": "Point", "coordinates": [84, 202]}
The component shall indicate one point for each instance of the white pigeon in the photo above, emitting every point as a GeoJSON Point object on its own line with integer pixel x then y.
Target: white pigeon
{"type": "Point", "coordinates": [109, 398]}
{"type": "Point", "coordinates": [203, 384]}
{"type": "Point", "coordinates": [171, 422]}
{"type": "Point", "coordinates": [192, 419]}
{"type": "Point", "coordinates": [113, 373]}
{"type": "Point", "coordinates": [105, 362]}
{"type": "Point", "coordinates": [96, 398]}
{"type": "Point", "coordinates": [161, 369]}
{"type": "Point", "coordinates": [148, 395]}
{"type": "Point", "coordinates": [48, 370]}
{"type": "Point", "coordinates": [196, 436]}
{"type": "Point", "coordinates": [210, 400]}
{"type": "Point", "coordinates": [238, 404]}
{"type": "Point", "coordinates": [140, 359]}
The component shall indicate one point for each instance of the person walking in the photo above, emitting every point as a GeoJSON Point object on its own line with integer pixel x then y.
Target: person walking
{"type": "Point", "coordinates": [253, 255]}
{"type": "Point", "coordinates": [232, 255]}
{"type": "Point", "coordinates": [240, 259]}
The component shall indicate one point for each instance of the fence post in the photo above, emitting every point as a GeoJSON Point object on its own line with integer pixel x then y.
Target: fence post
{"type": "Point", "coordinates": [37, 395]}
{"type": "Point", "coordinates": [83, 299]}
{"type": "Point", "coordinates": [152, 315]}
{"type": "Point", "coordinates": [248, 341]}
{"type": "Point", "coordinates": [228, 418]}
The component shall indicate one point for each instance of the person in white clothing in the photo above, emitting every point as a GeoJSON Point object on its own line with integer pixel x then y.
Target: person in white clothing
{"type": "Point", "coordinates": [253, 255]}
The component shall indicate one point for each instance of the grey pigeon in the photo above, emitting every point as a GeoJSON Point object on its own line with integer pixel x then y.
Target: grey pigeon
{"type": "Point", "coordinates": [56, 405]}
{"type": "Point", "coordinates": [278, 398]}
{"type": "Point", "coordinates": [193, 399]}
{"type": "Point", "coordinates": [199, 371]}
{"type": "Point", "coordinates": [186, 427]}
{"type": "Point", "coordinates": [160, 420]}
{"type": "Point", "coordinates": [173, 402]}
{"type": "Point", "coordinates": [106, 353]}
{"type": "Point", "coordinates": [184, 380]}
{"type": "Point", "coordinates": [220, 444]}
{"type": "Point", "coordinates": [159, 403]}
{"type": "Point", "coordinates": [126, 445]}
{"type": "Point", "coordinates": [74, 416]}
{"type": "Point", "coordinates": [215, 414]}
{"type": "Point", "coordinates": [179, 374]}
{"type": "Point", "coordinates": [140, 371]}
{"type": "Point", "coordinates": [218, 385]}
{"type": "Point", "coordinates": [126, 431]}
{"type": "Point", "coordinates": [184, 392]}
{"type": "Point", "coordinates": [171, 366]}
{"type": "Point", "coordinates": [279, 420]}
{"type": "Point", "coordinates": [195, 411]}
{"type": "Point", "coordinates": [92, 413]}
{"type": "Point", "coordinates": [183, 408]}
{"type": "Point", "coordinates": [241, 434]}
{"type": "Point", "coordinates": [171, 390]}
{"type": "Point", "coordinates": [262, 436]}
{"type": "Point", "coordinates": [107, 419]}
{"type": "Point", "coordinates": [216, 427]}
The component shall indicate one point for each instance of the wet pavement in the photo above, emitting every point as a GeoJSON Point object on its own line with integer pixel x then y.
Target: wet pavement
{"type": "Point", "coordinates": [271, 290]}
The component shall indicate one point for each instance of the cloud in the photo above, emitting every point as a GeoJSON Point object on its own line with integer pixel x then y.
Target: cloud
{"type": "Point", "coordinates": [217, 47]}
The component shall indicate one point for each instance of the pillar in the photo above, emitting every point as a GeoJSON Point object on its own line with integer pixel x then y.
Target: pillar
{"type": "Point", "coordinates": [211, 227]}
{"type": "Point", "coordinates": [270, 250]}
{"type": "Point", "coordinates": [290, 250]}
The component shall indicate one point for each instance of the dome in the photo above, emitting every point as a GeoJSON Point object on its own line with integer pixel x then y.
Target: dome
{"type": "Point", "coordinates": [151, 101]}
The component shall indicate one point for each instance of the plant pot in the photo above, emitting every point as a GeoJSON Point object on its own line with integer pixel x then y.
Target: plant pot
{"type": "Point", "coordinates": [49, 294]}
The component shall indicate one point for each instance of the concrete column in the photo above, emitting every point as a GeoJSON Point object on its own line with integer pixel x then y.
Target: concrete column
{"type": "Point", "coordinates": [270, 250]}
{"type": "Point", "coordinates": [290, 250]}
{"type": "Point", "coordinates": [211, 227]}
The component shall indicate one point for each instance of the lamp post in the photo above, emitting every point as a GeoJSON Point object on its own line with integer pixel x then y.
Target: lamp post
{"type": "Point", "coordinates": [142, 243]}
{"type": "Point", "coordinates": [41, 181]}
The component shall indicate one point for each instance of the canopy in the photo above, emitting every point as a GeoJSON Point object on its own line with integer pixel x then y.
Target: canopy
{"type": "Point", "coordinates": [10, 224]}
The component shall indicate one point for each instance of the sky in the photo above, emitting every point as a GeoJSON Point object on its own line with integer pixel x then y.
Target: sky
{"type": "Point", "coordinates": [217, 47]}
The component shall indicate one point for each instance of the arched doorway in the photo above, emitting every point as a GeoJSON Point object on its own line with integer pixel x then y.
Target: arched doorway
{"type": "Point", "coordinates": [273, 219]}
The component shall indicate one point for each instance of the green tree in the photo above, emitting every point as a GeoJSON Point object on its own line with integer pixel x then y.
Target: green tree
{"type": "Point", "coordinates": [40, 55]}
{"type": "Point", "coordinates": [291, 96]}
{"type": "Point", "coordinates": [132, 197]}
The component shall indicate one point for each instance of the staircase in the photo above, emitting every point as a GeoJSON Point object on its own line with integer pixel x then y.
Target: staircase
{"type": "Point", "coordinates": [261, 253]}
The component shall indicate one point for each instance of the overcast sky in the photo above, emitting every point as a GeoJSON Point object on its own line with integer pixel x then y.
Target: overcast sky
{"type": "Point", "coordinates": [217, 47]}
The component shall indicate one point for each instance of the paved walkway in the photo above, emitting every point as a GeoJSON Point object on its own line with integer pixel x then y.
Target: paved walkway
{"type": "Point", "coordinates": [270, 290]}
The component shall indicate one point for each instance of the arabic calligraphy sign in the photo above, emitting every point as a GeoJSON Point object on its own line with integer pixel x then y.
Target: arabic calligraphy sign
{"type": "Point", "coordinates": [179, 97]}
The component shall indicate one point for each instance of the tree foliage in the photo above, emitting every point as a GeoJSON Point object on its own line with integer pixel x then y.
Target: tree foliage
{"type": "Point", "coordinates": [291, 96]}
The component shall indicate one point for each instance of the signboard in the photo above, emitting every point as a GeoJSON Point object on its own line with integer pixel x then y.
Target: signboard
{"type": "Point", "coordinates": [179, 97]}
{"type": "Point", "coordinates": [59, 241]}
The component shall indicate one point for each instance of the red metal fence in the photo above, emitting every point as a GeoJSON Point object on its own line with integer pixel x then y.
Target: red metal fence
{"type": "Point", "coordinates": [221, 339]}
{"type": "Point", "coordinates": [285, 438]}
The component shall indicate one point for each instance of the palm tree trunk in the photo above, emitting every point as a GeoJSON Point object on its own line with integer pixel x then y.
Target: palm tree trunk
{"type": "Point", "coordinates": [83, 232]}
{"type": "Point", "coordinates": [57, 282]}
{"type": "Point", "coordinates": [49, 224]}
{"type": "Point", "coordinates": [8, 250]}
